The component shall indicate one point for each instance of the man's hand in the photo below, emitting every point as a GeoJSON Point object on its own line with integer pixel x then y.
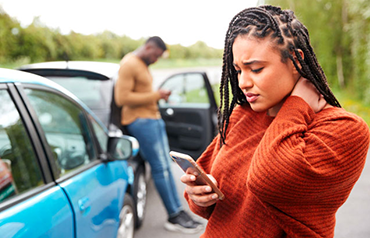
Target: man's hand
{"type": "Point", "coordinates": [164, 94]}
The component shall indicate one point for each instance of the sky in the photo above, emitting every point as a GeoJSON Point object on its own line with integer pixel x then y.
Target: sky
{"type": "Point", "coordinates": [176, 22]}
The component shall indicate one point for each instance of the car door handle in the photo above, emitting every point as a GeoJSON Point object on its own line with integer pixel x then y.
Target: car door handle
{"type": "Point", "coordinates": [170, 112]}
{"type": "Point", "coordinates": [84, 204]}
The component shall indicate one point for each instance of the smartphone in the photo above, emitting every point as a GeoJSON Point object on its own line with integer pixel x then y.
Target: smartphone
{"type": "Point", "coordinates": [187, 163]}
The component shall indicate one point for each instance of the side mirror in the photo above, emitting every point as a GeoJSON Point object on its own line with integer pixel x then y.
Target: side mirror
{"type": "Point", "coordinates": [122, 147]}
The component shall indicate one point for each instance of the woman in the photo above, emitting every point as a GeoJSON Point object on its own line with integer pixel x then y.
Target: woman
{"type": "Point", "coordinates": [287, 156]}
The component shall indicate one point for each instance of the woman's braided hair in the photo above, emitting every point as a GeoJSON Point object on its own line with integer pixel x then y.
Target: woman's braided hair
{"type": "Point", "coordinates": [289, 34]}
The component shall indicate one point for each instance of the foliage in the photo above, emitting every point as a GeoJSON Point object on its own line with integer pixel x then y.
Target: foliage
{"type": "Point", "coordinates": [37, 43]}
{"type": "Point", "coordinates": [351, 104]}
{"type": "Point", "coordinates": [359, 29]}
{"type": "Point", "coordinates": [339, 33]}
{"type": "Point", "coordinates": [9, 29]}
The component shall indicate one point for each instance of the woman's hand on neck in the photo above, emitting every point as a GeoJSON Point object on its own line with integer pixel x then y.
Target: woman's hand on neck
{"type": "Point", "coordinates": [308, 92]}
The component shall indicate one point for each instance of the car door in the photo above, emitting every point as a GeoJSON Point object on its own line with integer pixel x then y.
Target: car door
{"type": "Point", "coordinates": [190, 113]}
{"type": "Point", "coordinates": [31, 204]}
{"type": "Point", "coordinates": [95, 188]}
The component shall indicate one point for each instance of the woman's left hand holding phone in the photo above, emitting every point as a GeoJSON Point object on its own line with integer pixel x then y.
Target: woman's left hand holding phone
{"type": "Point", "coordinates": [201, 195]}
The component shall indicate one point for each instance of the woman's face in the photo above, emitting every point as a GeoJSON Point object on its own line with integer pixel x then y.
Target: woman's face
{"type": "Point", "coordinates": [264, 79]}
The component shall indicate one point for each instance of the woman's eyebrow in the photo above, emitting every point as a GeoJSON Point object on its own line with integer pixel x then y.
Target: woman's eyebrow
{"type": "Point", "coordinates": [249, 62]}
{"type": "Point", "coordinates": [252, 62]}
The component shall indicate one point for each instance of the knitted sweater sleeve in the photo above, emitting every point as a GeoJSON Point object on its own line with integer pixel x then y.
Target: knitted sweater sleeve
{"type": "Point", "coordinates": [304, 169]}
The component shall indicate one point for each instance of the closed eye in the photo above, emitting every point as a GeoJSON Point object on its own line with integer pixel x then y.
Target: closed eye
{"type": "Point", "coordinates": [257, 70]}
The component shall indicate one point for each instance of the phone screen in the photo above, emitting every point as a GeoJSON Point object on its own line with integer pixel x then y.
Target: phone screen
{"type": "Point", "coordinates": [187, 164]}
{"type": "Point", "coordinates": [183, 163]}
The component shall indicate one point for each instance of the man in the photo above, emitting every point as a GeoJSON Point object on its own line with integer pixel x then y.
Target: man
{"type": "Point", "coordinates": [141, 118]}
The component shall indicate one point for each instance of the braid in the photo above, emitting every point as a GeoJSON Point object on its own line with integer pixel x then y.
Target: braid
{"type": "Point", "coordinates": [290, 36]}
{"type": "Point", "coordinates": [310, 66]}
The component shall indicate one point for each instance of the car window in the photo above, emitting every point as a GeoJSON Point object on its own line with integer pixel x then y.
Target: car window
{"type": "Point", "coordinates": [96, 94]}
{"type": "Point", "coordinates": [66, 130]}
{"type": "Point", "coordinates": [19, 168]}
{"type": "Point", "coordinates": [100, 135]}
{"type": "Point", "coordinates": [186, 89]}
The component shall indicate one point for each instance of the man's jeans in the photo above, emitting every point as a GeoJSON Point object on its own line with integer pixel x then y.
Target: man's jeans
{"type": "Point", "coordinates": [154, 148]}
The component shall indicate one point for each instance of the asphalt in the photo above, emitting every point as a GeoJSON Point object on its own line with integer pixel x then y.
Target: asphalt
{"type": "Point", "coordinates": [156, 216]}
{"type": "Point", "coordinates": [353, 218]}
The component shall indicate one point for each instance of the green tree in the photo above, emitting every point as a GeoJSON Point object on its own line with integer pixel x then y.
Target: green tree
{"type": "Point", "coordinates": [129, 45]}
{"type": "Point", "coordinates": [326, 21]}
{"type": "Point", "coordinates": [359, 30]}
{"type": "Point", "coordinates": [9, 33]}
{"type": "Point", "coordinates": [110, 45]}
{"type": "Point", "coordinates": [83, 46]}
{"type": "Point", "coordinates": [63, 49]}
{"type": "Point", "coordinates": [36, 42]}
{"type": "Point", "coordinates": [178, 51]}
{"type": "Point", "coordinates": [340, 32]}
{"type": "Point", "coordinates": [39, 43]}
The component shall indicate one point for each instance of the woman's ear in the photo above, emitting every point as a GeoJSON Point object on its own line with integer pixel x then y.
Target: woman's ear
{"type": "Point", "coordinates": [297, 61]}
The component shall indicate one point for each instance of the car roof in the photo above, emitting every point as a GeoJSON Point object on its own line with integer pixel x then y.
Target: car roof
{"type": "Point", "coordinates": [15, 76]}
{"type": "Point", "coordinates": [108, 70]}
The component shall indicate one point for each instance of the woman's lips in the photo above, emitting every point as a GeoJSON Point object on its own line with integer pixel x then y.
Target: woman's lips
{"type": "Point", "coordinates": [251, 97]}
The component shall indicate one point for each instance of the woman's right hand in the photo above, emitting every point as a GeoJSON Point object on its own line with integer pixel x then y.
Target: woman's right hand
{"type": "Point", "coordinates": [201, 195]}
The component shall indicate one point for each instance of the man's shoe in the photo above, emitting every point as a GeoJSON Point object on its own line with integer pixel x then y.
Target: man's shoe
{"type": "Point", "coordinates": [183, 223]}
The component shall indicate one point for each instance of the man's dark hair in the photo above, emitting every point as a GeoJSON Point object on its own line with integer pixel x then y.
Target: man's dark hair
{"type": "Point", "coordinates": [289, 36]}
{"type": "Point", "coordinates": [158, 41]}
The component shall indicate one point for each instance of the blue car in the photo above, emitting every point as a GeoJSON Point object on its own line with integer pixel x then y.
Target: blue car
{"type": "Point", "coordinates": [93, 83]}
{"type": "Point", "coordinates": [190, 113]}
{"type": "Point", "coordinates": [62, 173]}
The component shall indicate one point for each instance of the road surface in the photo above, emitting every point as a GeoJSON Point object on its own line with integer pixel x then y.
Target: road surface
{"type": "Point", "coordinates": [156, 214]}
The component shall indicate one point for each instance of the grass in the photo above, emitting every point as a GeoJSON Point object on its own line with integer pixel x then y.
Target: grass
{"type": "Point", "coordinates": [14, 64]}
{"type": "Point", "coordinates": [353, 105]}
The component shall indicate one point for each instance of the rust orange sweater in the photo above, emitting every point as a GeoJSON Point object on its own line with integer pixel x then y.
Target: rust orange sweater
{"type": "Point", "coordinates": [285, 176]}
